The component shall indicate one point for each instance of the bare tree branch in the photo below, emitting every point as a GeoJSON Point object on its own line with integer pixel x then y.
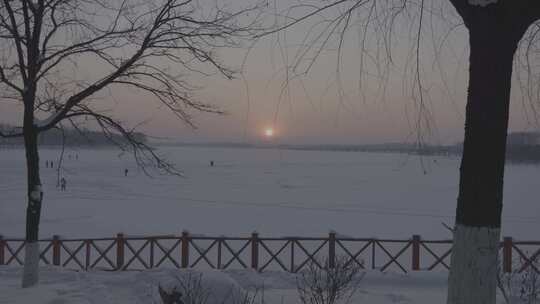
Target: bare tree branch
{"type": "Point", "coordinates": [13, 29]}
{"type": "Point", "coordinates": [171, 33]}
{"type": "Point", "coordinates": [302, 18]}
{"type": "Point", "coordinates": [151, 46]}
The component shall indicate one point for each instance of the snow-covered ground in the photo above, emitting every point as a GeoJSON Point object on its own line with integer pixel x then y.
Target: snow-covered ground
{"type": "Point", "coordinates": [132, 287]}
{"type": "Point", "coordinates": [276, 192]}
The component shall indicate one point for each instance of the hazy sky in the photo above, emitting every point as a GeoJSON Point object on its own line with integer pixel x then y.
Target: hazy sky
{"type": "Point", "coordinates": [324, 106]}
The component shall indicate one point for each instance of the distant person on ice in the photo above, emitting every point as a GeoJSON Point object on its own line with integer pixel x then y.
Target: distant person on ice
{"type": "Point", "coordinates": [63, 184]}
{"type": "Point", "coordinates": [211, 163]}
{"type": "Point", "coordinates": [126, 171]}
{"type": "Point", "coordinates": [46, 164]}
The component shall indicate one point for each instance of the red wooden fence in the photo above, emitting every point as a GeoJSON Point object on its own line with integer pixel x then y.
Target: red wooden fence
{"type": "Point", "coordinates": [290, 254]}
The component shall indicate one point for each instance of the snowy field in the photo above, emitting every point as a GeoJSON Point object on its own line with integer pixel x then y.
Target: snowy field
{"type": "Point", "coordinates": [275, 192]}
{"type": "Point", "coordinates": [69, 287]}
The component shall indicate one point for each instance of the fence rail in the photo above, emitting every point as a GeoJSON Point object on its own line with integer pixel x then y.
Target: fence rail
{"type": "Point", "coordinates": [290, 254]}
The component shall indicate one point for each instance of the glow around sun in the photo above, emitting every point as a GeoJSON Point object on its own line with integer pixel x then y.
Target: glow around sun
{"type": "Point", "coordinates": [269, 132]}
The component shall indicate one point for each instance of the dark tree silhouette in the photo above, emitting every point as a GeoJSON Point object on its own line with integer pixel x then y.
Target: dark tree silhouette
{"type": "Point", "coordinates": [496, 29]}
{"type": "Point", "coordinates": [148, 46]}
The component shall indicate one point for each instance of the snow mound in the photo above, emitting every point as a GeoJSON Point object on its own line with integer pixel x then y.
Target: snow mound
{"type": "Point", "coordinates": [60, 286]}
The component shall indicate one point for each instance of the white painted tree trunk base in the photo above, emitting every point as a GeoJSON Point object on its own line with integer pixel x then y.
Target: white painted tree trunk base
{"type": "Point", "coordinates": [473, 271]}
{"type": "Point", "coordinates": [31, 265]}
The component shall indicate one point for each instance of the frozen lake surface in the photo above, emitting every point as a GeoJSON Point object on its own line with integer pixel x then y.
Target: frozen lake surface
{"type": "Point", "coordinates": [275, 192]}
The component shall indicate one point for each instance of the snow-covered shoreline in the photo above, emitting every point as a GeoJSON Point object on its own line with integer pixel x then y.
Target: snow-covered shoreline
{"type": "Point", "coordinates": [140, 287]}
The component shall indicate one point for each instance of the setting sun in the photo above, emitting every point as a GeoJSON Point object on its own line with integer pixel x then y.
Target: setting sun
{"type": "Point", "coordinates": [269, 132]}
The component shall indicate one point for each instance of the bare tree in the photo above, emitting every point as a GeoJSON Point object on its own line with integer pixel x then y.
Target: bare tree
{"type": "Point", "coordinates": [520, 285]}
{"type": "Point", "coordinates": [193, 289]}
{"type": "Point", "coordinates": [170, 297]}
{"type": "Point", "coordinates": [322, 283]}
{"type": "Point", "coordinates": [497, 29]}
{"type": "Point", "coordinates": [147, 46]}
{"type": "Point", "coordinates": [190, 288]}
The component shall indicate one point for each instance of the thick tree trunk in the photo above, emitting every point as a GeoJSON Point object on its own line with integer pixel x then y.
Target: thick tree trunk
{"type": "Point", "coordinates": [473, 270]}
{"type": "Point", "coordinates": [35, 197]}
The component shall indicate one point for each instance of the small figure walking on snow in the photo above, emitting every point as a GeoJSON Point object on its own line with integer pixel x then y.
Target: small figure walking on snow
{"type": "Point", "coordinates": [126, 171]}
{"type": "Point", "coordinates": [211, 163]}
{"type": "Point", "coordinates": [63, 184]}
{"type": "Point", "coordinates": [46, 164]}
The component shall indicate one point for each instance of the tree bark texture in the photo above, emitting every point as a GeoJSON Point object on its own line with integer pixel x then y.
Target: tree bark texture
{"type": "Point", "coordinates": [493, 43]}
{"type": "Point", "coordinates": [35, 198]}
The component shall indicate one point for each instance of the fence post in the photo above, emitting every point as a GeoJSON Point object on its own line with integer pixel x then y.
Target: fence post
{"type": "Point", "coordinates": [255, 250]}
{"type": "Point", "coordinates": [332, 249]}
{"type": "Point", "coordinates": [185, 249]}
{"type": "Point", "coordinates": [292, 256]}
{"type": "Point", "coordinates": [56, 250]}
{"type": "Point", "coordinates": [151, 240]}
{"type": "Point", "coordinates": [507, 254]}
{"type": "Point", "coordinates": [2, 254]}
{"type": "Point", "coordinates": [373, 253]}
{"type": "Point", "coordinates": [416, 252]}
{"type": "Point", "coordinates": [219, 251]}
{"type": "Point", "coordinates": [87, 257]}
{"type": "Point", "coordinates": [120, 243]}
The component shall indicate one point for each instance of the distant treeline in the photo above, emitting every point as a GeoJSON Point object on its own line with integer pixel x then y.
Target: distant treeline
{"type": "Point", "coordinates": [523, 154]}
{"type": "Point", "coordinates": [72, 137]}
{"type": "Point", "coordinates": [384, 148]}
{"type": "Point", "coordinates": [387, 147]}
{"type": "Point", "coordinates": [517, 151]}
